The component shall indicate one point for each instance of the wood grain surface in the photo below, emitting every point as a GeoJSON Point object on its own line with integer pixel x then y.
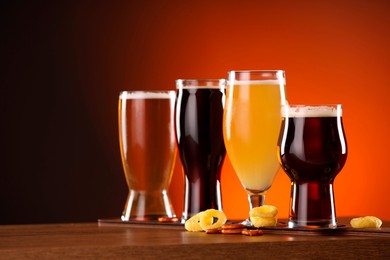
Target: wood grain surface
{"type": "Point", "coordinates": [97, 241]}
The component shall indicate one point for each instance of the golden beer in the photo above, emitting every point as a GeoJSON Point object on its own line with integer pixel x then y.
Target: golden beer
{"type": "Point", "coordinates": [253, 124]}
{"type": "Point", "coordinates": [148, 150]}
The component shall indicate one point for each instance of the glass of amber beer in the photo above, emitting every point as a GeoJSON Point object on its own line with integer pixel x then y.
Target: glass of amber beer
{"type": "Point", "coordinates": [148, 151]}
{"type": "Point", "coordinates": [312, 150]}
{"type": "Point", "coordinates": [251, 124]}
{"type": "Point", "coordinates": [198, 121]}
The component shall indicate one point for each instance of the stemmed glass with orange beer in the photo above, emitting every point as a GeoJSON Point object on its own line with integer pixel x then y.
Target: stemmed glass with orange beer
{"type": "Point", "coordinates": [251, 126]}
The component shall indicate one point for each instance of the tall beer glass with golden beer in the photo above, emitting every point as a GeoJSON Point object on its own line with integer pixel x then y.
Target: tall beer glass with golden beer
{"type": "Point", "coordinates": [251, 125]}
{"type": "Point", "coordinates": [148, 150]}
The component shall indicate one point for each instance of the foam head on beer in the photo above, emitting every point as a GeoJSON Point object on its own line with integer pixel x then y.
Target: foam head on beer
{"type": "Point", "coordinates": [145, 95]}
{"type": "Point", "coordinates": [312, 111]}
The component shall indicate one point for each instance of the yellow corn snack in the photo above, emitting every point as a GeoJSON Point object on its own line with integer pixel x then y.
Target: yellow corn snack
{"type": "Point", "coordinates": [205, 220]}
{"type": "Point", "coordinates": [264, 222]}
{"type": "Point", "coordinates": [264, 216]}
{"type": "Point", "coordinates": [266, 211]}
{"type": "Point", "coordinates": [208, 216]}
{"type": "Point", "coordinates": [193, 224]}
{"type": "Point", "coordinates": [366, 222]}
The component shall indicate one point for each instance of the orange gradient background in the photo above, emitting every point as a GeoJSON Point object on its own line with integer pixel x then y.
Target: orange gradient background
{"type": "Point", "coordinates": [331, 52]}
{"type": "Point", "coordinates": [67, 61]}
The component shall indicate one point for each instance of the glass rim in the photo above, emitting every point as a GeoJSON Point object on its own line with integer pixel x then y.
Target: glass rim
{"type": "Point", "coordinates": [312, 110]}
{"type": "Point", "coordinates": [315, 105]}
{"type": "Point", "coordinates": [201, 80]}
{"type": "Point", "coordinates": [147, 94]}
{"type": "Point", "coordinates": [257, 75]}
{"type": "Point", "coordinates": [254, 71]}
{"type": "Point", "coordinates": [201, 83]}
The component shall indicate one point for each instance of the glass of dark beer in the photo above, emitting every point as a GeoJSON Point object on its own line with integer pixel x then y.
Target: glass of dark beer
{"type": "Point", "coordinates": [198, 125]}
{"type": "Point", "coordinates": [148, 151]}
{"type": "Point", "coordinates": [312, 150]}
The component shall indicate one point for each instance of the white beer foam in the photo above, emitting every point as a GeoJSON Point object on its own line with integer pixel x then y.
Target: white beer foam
{"type": "Point", "coordinates": [147, 94]}
{"type": "Point", "coordinates": [312, 111]}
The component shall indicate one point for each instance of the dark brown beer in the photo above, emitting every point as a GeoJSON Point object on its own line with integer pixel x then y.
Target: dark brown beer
{"type": "Point", "coordinates": [312, 151]}
{"type": "Point", "coordinates": [201, 148]}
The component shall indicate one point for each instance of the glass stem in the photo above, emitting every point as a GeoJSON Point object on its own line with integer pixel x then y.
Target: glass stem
{"type": "Point", "coordinates": [256, 200]}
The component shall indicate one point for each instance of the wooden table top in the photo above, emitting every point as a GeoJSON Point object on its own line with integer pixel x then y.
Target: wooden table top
{"type": "Point", "coordinates": [104, 240]}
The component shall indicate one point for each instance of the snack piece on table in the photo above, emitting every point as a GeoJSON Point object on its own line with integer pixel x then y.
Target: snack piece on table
{"type": "Point", "coordinates": [167, 219]}
{"type": "Point", "coordinates": [233, 226]}
{"type": "Point", "coordinates": [192, 224]}
{"type": "Point", "coordinates": [266, 211]}
{"type": "Point", "coordinates": [264, 222]}
{"type": "Point", "coordinates": [252, 232]}
{"type": "Point", "coordinates": [264, 216]}
{"type": "Point", "coordinates": [366, 222]}
{"type": "Point", "coordinates": [214, 231]}
{"type": "Point", "coordinates": [208, 219]}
